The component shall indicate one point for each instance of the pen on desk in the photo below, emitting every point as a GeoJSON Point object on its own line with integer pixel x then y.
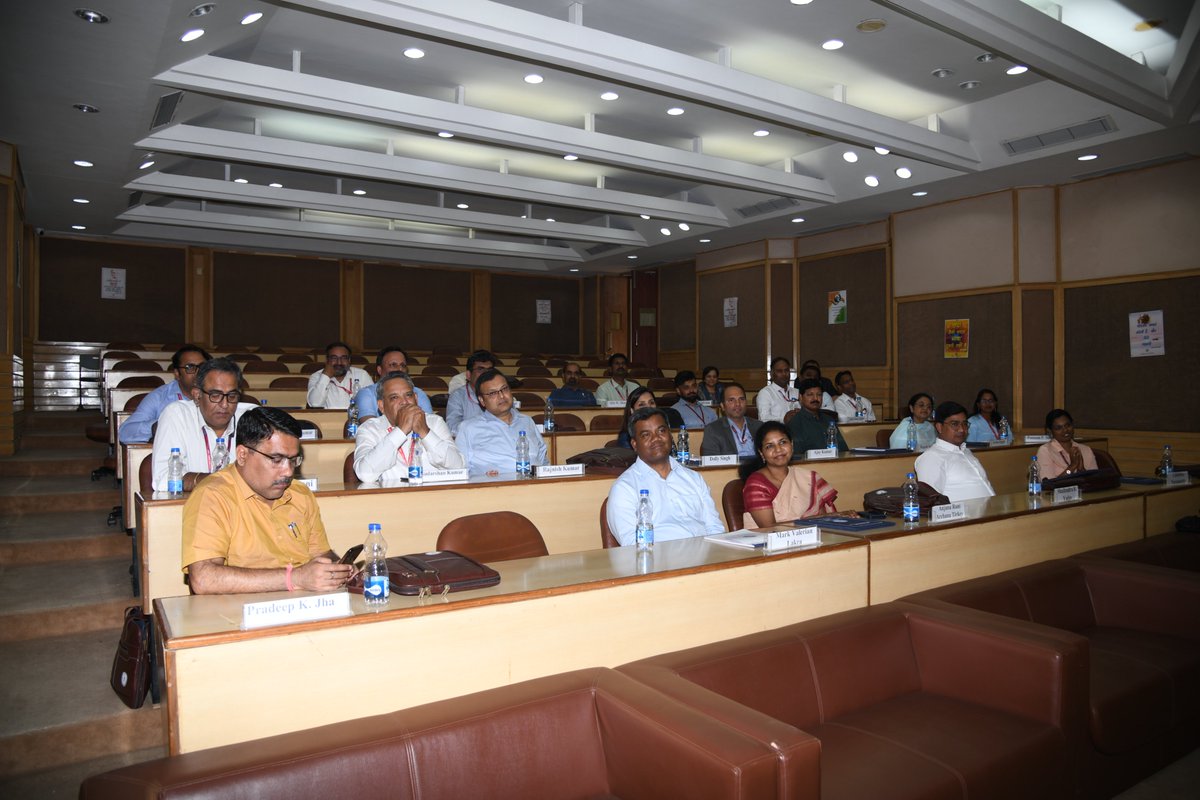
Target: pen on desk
{"type": "Point", "coordinates": [294, 530]}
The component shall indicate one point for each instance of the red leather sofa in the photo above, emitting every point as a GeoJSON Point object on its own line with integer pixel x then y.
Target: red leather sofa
{"type": "Point", "coordinates": [906, 702]}
{"type": "Point", "coordinates": [1174, 550]}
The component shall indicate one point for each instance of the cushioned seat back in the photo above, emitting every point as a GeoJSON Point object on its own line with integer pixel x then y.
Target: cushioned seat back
{"type": "Point", "coordinates": [993, 595]}
{"type": "Point", "coordinates": [494, 536]}
{"type": "Point", "coordinates": [732, 503]}
{"type": "Point", "coordinates": [1058, 596]}
{"type": "Point", "coordinates": [861, 662]}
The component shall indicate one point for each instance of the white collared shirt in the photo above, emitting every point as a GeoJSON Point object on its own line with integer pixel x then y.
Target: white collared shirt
{"type": "Point", "coordinates": [954, 471]}
{"type": "Point", "coordinates": [181, 425]}
{"type": "Point", "coordinates": [775, 401]}
{"type": "Point", "coordinates": [325, 392]}
{"type": "Point", "coordinates": [847, 408]}
{"type": "Point", "coordinates": [384, 452]}
{"type": "Point", "coordinates": [681, 503]}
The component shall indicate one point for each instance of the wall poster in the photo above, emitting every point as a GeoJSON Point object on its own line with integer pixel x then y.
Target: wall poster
{"type": "Point", "coordinates": [958, 339]}
{"type": "Point", "coordinates": [112, 283]}
{"type": "Point", "coordinates": [837, 308]}
{"type": "Point", "coordinates": [543, 312]}
{"type": "Point", "coordinates": [1146, 334]}
{"type": "Point", "coordinates": [729, 308]}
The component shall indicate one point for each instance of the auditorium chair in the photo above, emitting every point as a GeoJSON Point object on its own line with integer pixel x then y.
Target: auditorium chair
{"type": "Point", "coordinates": [130, 405]}
{"type": "Point", "coordinates": [125, 346]}
{"type": "Point", "coordinates": [310, 368]}
{"type": "Point", "coordinates": [605, 422]}
{"type": "Point", "coordinates": [140, 382]}
{"type": "Point", "coordinates": [528, 361]}
{"type": "Point", "coordinates": [137, 365]}
{"type": "Point", "coordinates": [1104, 460]}
{"type": "Point", "coordinates": [349, 476]}
{"type": "Point", "coordinates": [120, 354]}
{"type": "Point", "coordinates": [607, 539]}
{"type": "Point", "coordinates": [658, 385]}
{"type": "Point", "coordinates": [597, 362]}
{"type": "Point", "coordinates": [645, 372]}
{"type": "Point", "coordinates": [442, 358]}
{"type": "Point", "coordinates": [563, 422]}
{"type": "Point", "coordinates": [430, 383]}
{"type": "Point", "coordinates": [537, 371]}
{"type": "Point", "coordinates": [243, 357]}
{"type": "Point", "coordinates": [732, 504]}
{"type": "Point", "coordinates": [441, 370]}
{"type": "Point", "coordinates": [556, 363]}
{"type": "Point", "coordinates": [261, 366]}
{"type": "Point", "coordinates": [358, 360]}
{"type": "Point", "coordinates": [146, 477]}
{"type": "Point", "coordinates": [589, 384]}
{"type": "Point", "coordinates": [248, 398]}
{"type": "Point", "coordinates": [493, 536]}
{"type": "Point", "coordinates": [289, 382]}
{"type": "Point", "coordinates": [883, 438]}
{"type": "Point", "coordinates": [309, 425]}
{"type": "Point", "coordinates": [446, 351]}
{"type": "Point", "coordinates": [1172, 550]}
{"type": "Point", "coordinates": [294, 358]}
{"type": "Point", "coordinates": [529, 400]}
{"type": "Point", "coordinates": [538, 384]}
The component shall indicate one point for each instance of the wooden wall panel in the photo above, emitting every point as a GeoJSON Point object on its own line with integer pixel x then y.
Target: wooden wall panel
{"type": "Point", "coordinates": [1037, 357]}
{"type": "Point", "coordinates": [514, 314]}
{"type": "Point", "coordinates": [782, 296]}
{"type": "Point", "coordinates": [743, 346]}
{"type": "Point", "coordinates": [677, 307]}
{"type": "Point", "coordinates": [416, 308]}
{"type": "Point", "coordinates": [275, 301]}
{"type": "Point", "coordinates": [591, 317]}
{"type": "Point", "coordinates": [863, 339]}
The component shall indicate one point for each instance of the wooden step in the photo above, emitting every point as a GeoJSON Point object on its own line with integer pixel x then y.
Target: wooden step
{"type": "Point", "coordinates": [63, 535]}
{"type": "Point", "coordinates": [63, 781]}
{"type": "Point", "coordinates": [66, 597]}
{"type": "Point", "coordinates": [42, 493]}
{"type": "Point", "coordinates": [59, 440]}
{"type": "Point", "coordinates": [56, 461]}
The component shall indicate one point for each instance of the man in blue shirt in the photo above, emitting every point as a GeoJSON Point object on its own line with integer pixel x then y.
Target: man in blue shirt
{"type": "Point", "coordinates": [184, 364]}
{"type": "Point", "coordinates": [569, 395]}
{"type": "Point", "coordinates": [694, 415]}
{"type": "Point", "coordinates": [390, 359]}
{"type": "Point", "coordinates": [488, 442]}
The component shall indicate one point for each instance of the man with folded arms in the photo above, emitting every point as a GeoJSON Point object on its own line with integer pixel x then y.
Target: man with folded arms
{"type": "Point", "coordinates": [249, 528]}
{"type": "Point", "coordinates": [617, 387]}
{"type": "Point", "coordinates": [570, 395]}
{"type": "Point", "coordinates": [809, 426]}
{"type": "Point", "coordinates": [194, 425]}
{"type": "Point", "coordinates": [185, 363]}
{"type": "Point", "coordinates": [488, 442]}
{"type": "Point", "coordinates": [383, 449]}
{"type": "Point", "coordinates": [777, 401]}
{"type": "Point", "coordinates": [734, 433]}
{"type": "Point", "coordinates": [680, 499]}
{"type": "Point", "coordinates": [948, 465]}
{"type": "Point", "coordinates": [333, 386]}
{"type": "Point", "coordinates": [693, 414]}
{"type": "Point", "coordinates": [463, 403]}
{"type": "Point", "coordinates": [390, 359]}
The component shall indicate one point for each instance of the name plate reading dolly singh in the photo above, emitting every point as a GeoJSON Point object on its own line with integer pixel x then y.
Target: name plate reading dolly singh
{"type": "Point", "coordinates": [1180, 478]}
{"type": "Point", "coordinates": [1066, 494]}
{"type": "Point", "coordinates": [727, 460]}
{"type": "Point", "coordinates": [614, 403]}
{"type": "Point", "coordinates": [948, 512]}
{"type": "Point", "coordinates": [817, 455]}
{"type": "Point", "coordinates": [444, 475]}
{"type": "Point", "coordinates": [311, 483]}
{"type": "Point", "coordinates": [778, 540]}
{"type": "Point", "coordinates": [295, 609]}
{"type": "Point", "coordinates": [558, 470]}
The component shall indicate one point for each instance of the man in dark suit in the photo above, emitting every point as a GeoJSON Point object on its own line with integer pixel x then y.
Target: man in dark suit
{"type": "Point", "coordinates": [732, 434]}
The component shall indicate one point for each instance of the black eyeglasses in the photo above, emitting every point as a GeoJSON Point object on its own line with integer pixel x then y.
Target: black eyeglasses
{"type": "Point", "coordinates": [188, 368]}
{"type": "Point", "coordinates": [278, 460]}
{"type": "Point", "coordinates": [216, 397]}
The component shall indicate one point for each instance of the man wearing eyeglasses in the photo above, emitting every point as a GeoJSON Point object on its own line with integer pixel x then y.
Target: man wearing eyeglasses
{"type": "Point", "coordinates": [948, 465]}
{"type": "Point", "coordinates": [384, 446]}
{"type": "Point", "coordinates": [185, 363]}
{"type": "Point", "coordinates": [488, 442]}
{"type": "Point", "coordinates": [249, 528]}
{"type": "Point", "coordinates": [194, 425]}
{"type": "Point", "coordinates": [333, 386]}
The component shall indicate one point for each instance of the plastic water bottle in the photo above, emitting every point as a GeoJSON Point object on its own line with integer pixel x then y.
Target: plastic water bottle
{"type": "Point", "coordinates": [523, 469]}
{"type": "Point", "coordinates": [860, 413]}
{"type": "Point", "coordinates": [416, 467]}
{"type": "Point", "coordinates": [376, 589]}
{"type": "Point", "coordinates": [175, 473]}
{"type": "Point", "coordinates": [263, 402]}
{"type": "Point", "coordinates": [548, 417]}
{"type": "Point", "coordinates": [911, 438]}
{"type": "Point", "coordinates": [220, 458]}
{"type": "Point", "coordinates": [1005, 431]}
{"type": "Point", "coordinates": [644, 535]}
{"type": "Point", "coordinates": [1167, 464]}
{"type": "Point", "coordinates": [683, 447]}
{"type": "Point", "coordinates": [352, 419]}
{"type": "Point", "coordinates": [911, 508]}
{"type": "Point", "coordinates": [1035, 477]}
{"type": "Point", "coordinates": [831, 435]}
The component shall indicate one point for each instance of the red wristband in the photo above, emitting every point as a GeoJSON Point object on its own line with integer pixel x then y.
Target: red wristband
{"type": "Point", "coordinates": [290, 588]}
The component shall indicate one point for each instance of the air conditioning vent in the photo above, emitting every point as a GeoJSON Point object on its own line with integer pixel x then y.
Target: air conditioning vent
{"type": "Point", "coordinates": [164, 112]}
{"type": "Point", "coordinates": [598, 249]}
{"type": "Point", "coordinates": [135, 199]}
{"type": "Point", "coordinates": [1071, 133]}
{"type": "Point", "coordinates": [767, 206]}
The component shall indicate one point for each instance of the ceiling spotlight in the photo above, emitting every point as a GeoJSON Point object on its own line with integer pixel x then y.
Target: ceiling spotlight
{"type": "Point", "coordinates": [632, 258]}
{"type": "Point", "coordinates": [850, 156]}
{"type": "Point", "coordinates": [463, 206]}
{"type": "Point", "coordinates": [79, 227]}
{"type": "Point", "coordinates": [903, 172]}
{"type": "Point", "coordinates": [706, 241]}
{"type": "Point", "coordinates": [609, 96]}
{"type": "Point", "coordinates": [942, 72]}
{"type": "Point", "coordinates": [88, 15]}
{"type": "Point", "coordinates": [551, 219]}
{"type": "Point", "coordinates": [970, 85]}
{"type": "Point", "coordinates": [446, 134]}
{"type": "Point", "coordinates": [920, 194]}
{"type": "Point", "coordinates": [85, 108]}
{"type": "Point", "coordinates": [675, 111]}
{"type": "Point", "coordinates": [414, 52]}
{"type": "Point", "coordinates": [250, 19]}
{"type": "Point", "coordinates": [762, 133]}
{"type": "Point", "coordinates": [240, 180]}
{"type": "Point", "coordinates": [644, 216]}
{"type": "Point", "coordinates": [573, 269]}
{"type": "Point", "coordinates": [665, 231]}
{"type": "Point", "coordinates": [1019, 69]}
{"type": "Point", "coordinates": [984, 58]}
{"type": "Point", "coordinates": [870, 26]}
{"type": "Point", "coordinates": [192, 35]}
{"type": "Point", "coordinates": [570, 157]}
{"type": "Point", "coordinates": [801, 2]}
{"type": "Point", "coordinates": [533, 77]}
{"type": "Point", "coordinates": [275, 185]}
{"type": "Point", "coordinates": [202, 9]}
{"type": "Point", "coordinates": [683, 226]}
{"type": "Point", "coordinates": [79, 162]}
{"type": "Point", "coordinates": [146, 165]}
{"type": "Point", "coordinates": [883, 151]}
{"type": "Point", "coordinates": [1088, 157]}
{"type": "Point", "coordinates": [833, 44]}
{"type": "Point", "coordinates": [797, 219]}
{"type": "Point", "coordinates": [359, 192]}
{"type": "Point", "coordinates": [83, 201]}
{"type": "Point", "coordinates": [871, 181]}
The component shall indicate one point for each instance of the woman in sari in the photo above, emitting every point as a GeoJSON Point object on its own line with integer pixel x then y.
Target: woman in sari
{"type": "Point", "coordinates": [777, 492]}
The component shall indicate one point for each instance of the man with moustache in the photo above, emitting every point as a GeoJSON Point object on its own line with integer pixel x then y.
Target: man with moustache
{"type": "Point", "coordinates": [777, 401]}
{"type": "Point", "coordinates": [333, 386]}
{"type": "Point", "coordinates": [249, 528]}
{"type": "Point", "coordinates": [616, 388]}
{"type": "Point", "coordinates": [185, 363]}
{"type": "Point", "coordinates": [734, 434]}
{"type": "Point", "coordinates": [390, 359]}
{"type": "Point", "coordinates": [693, 414]}
{"type": "Point", "coordinates": [948, 465]}
{"type": "Point", "coordinates": [809, 427]}
{"type": "Point", "coordinates": [570, 395]}
{"type": "Point", "coordinates": [384, 447]}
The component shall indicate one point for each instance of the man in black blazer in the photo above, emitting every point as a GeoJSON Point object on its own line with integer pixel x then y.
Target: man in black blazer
{"type": "Point", "coordinates": [732, 434]}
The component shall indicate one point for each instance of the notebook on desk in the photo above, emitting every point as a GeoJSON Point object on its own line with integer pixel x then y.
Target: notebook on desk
{"type": "Point", "coordinates": [836, 522]}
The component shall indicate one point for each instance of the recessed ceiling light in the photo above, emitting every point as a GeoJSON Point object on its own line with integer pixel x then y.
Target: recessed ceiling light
{"type": "Point", "coordinates": [797, 219]}
{"type": "Point", "coordinates": [1019, 69]}
{"type": "Point", "coordinates": [146, 165]}
{"type": "Point", "coordinates": [192, 35]}
{"type": "Point", "coordinates": [79, 162]}
{"type": "Point", "coordinates": [609, 96]}
{"type": "Point", "coordinates": [883, 151]}
{"type": "Point", "coordinates": [801, 2]}
{"type": "Point", "coordinates": [252, 18]}
{"type": "Point", "coordinates": [88, 15]}
{"type": "Point", "coordinates": [570, 157]}
{"type": "Point", "coordinates": [359, 192]}
{"type": "Point", "coordinates": [275, 185]}
{"type": "Point", "coordinates": [83, 201]}
{"type": "Point", "coordinates": [665, 231]}
{"type": "Point", "coordinates": [632, 258]}
{"type": "Point", "coordinates": [705, 241]}
{"type": "Point", "coordinates": [761, 132]}
{"type": "Point", "coordinates": [1088, 157]}
{"type": "Point", "coordinates": [573, 269]}
{"type": "Point", "coordinates": [850, 156]}
{"type": "Point", "coordinates": [463, 206]}
{"type": "Point", "coordinates": [533, 77]}
{"type": "Point", "coordinates": [903, 172]}
{"type": "Point", "coordinates": [202, 9]}
{"type": "Point", "coordinates": [414, 52]}
{"type": "Point", "coordinates": [446, 134]}
{"type": "Point", "coordinates": [942, 72]}
{"type": "Point", "coordinates": [644, 216]}
{"type": "Point", "coordinates": [970, 85]}
{"type": "Point", "coordinates": [871, 181]}
{"type": "Point", "coordinates": [79, 227]}
{"type": "Point", "coordinates": [240, 180]}
{"type": "Point", "coordinates": [674, 111]}
{"type": "Point", "coordinates": [833, 44]}
{"type": "Point", "coordinates": [870, 26]}
{"type": "Point", "coordinates": [920, 194]}
{"type": "Point", "coordinates": [551, 219]}
{"type": "Point", "coordinates": [683, 226]}
{"type": "Point", "coordinates": [984, 58]}
{"type": "Point", "coordinates": [85, 108]}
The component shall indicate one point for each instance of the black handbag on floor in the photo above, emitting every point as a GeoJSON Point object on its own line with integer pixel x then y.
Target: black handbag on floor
{"type": "Point", "coordinates": [130, 677]}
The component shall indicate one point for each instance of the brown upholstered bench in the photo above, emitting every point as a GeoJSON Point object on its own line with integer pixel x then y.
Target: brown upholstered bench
{"type": "Point", "coordinates": [1174, 550]}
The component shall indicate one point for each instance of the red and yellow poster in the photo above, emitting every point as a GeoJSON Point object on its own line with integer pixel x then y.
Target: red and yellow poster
{"type": "Point", "coordinates": [958, 338]}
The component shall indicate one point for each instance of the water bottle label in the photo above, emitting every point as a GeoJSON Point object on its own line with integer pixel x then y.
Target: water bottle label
{"type": "Point", "coordinates": [522, 467]}
{"type": "Point", "coordinates": [351, 430]}
{"type": "Point", "coordinates": [912, 512]}
{"type": "Point", "coordinates": [644, 536]}
{"type": "Point", "coordinates": [375, 587]}
{"type": "Point", "coordinates": [414, 473]}
{"type": "Point", "coordinates": [175, 486]}
{"type": "Point", "coordinates": [1035, 487]}
{"type": "Point", "coordinates": [548, 424]}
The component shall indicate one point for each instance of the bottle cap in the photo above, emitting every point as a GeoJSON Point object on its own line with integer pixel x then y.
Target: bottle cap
{"type": "Point", "coordinates": [644, 492]}
{"type": "Point", "coordinates": [374, 526]}
{"type": "Point", "coordinates": [174, 449]}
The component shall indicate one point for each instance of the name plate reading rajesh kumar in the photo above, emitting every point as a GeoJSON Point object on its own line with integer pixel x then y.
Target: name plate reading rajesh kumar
{"type": "Point", "coordinates": [558, 470]}
{"type": "Point", "coordinates": [794, 537]}
{"type": "Point", "coordinates": [727, 460]}
{"type": "Point", "coordinates": [444, 475]}
{"type": "Point", "coordinates": [824, 452]}
{"type": "Point", "coordinates": [614, 403]}
{"type": "Point", "coordinates": [1180, 478]}
{"type": "Point", "coordinates": [295, 609]}
{"type": "Point", "coordinates": [1066, 494]}
{"type": "Point", "coordinates": [948, 512]}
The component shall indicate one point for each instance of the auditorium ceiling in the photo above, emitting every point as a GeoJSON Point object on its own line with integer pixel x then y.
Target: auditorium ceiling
{"type": "Point", "coordinates": [571, 137]}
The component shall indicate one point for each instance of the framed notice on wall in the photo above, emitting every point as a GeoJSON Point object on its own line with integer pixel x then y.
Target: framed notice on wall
{"type": "Point", "coordinates": [957, 338]}
{"type": "Point", "coordinates": [729, 311]}
{"type": "Point", "coordinates": [543, 312]}
{"type": "Point", "coordinates": [837, 307]}
{"type": "Point", "coordinates": [112, 283]}
{"type": "Point", "coordinates": [1146, 334]}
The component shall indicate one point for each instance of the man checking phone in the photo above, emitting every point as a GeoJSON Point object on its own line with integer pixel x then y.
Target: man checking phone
{"type": "Point", "coordinates": [250, 529]}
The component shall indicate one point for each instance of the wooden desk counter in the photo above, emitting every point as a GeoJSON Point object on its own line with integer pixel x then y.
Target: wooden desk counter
{"type": "Point", "coordinates": [547, 615]}
{"type": "Point", "coordinates": [1166, 504]}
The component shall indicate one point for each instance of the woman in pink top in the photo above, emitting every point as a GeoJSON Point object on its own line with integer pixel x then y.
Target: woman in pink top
{"type": "Point", "coordinates": [1062, 455]}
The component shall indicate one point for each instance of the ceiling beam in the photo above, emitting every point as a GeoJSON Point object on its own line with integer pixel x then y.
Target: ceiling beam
{"type": "Point", "coordinates": [255, 83]}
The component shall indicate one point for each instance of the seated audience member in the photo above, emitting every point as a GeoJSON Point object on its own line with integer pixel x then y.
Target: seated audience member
{"type": "Point", "coordinates": [390, 359]}
{"type": "Point", "coordinates": [383, 449]}
{"type": "Point", "coordinates": [948, 465]}
{"type": "Point", "coordinates": [464, 378]}
{"type": "Point", "coordinates": [711, 386]}
{"type": "Point", "coordinates": [850, 405]}
{"type": "Point", "coordinates": [920, 407]}
{"type": "Point", "coordinates": [642, 397]}
{"type": "Point", "coordinates": [249, 528]}
{"type": "Point", "coordinates": [186, 361]}
{"type": "Point", "coordinates": [810, 425]}
{"type": "Point", "coordinates": [462, 404]}
{"type": "Point", "coordinates": [488, 442]}
{"type": "Point", "coordinates": [680, 499]}
{"type": "Point", "coordinates": [616, 387]}
{"type": "Point", "coordinates": [984, 423]}
{"type": "Point", "coordinates": [777, 401]}
{"type": "Point", "coordinates": [194, 425]}
{"type": "Point", "coordinates": [811, 370]}
{"type": "Point", "coordinates": [734, 433]}
{"type": "Point", "coordinates": [333, 386]}
{"type": "Point", "coordinates": [570, 395]}
{"type": "Point", "coordinates": [1062, 455]}
{"type": "Point", "coordinates": [693, 414]}
{"type": "Point", "coordinates": [776, 492]}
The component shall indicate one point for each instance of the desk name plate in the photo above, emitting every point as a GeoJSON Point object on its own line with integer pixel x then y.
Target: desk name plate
{"type": "Point", "coordinates": [1066, 494]}
{"type": "Point", "coordinates": [311, 483]}
{"type": "Point", "coordinates": [948, 512]}
{"type": "Point", "coordinates": [796, 537]}
{"type": "Point", "coordinates": [444, 475]}
{"type": "Point", "coordinates": [295, 609]}
{"type": "Point", "coordinates": [614, 404]}
{"type": "Point", "coordinates": [822, 453]}
{"type": "Point", "coordinates": [557, 470]}
{"type": "Point", "coordinates": [727, 460]}
{"type": "Point", "coordinates": [1180, 478]}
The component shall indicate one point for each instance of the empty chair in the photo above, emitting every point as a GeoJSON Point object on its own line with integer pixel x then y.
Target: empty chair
{"type": "Point", "coordinates": [538, 385]}
{"type": "Point", "coordinates": [294, 358]}
{"type": "Point", "coordinates": [597, 362]}
{"type": "Point", "coordinates": [606, 536]}
{"type": "Point", "coordinates": [533, 371]}
{"type": "Point", "coordinates": [563, 421]}
{"type": "Point", "coordinates": [605, 422]}
{"type": "Point", "coordinates": [131, 405]}
{"type": "Point", "coordinates": [443, 370]}
{"type": "Point", "coordinates": [265, 366]}
{"type": "Point", "coordinates": [243, 357]}
{"type": "Point", "coordinates": [529, 400]}
{"type": "Point", "coordinates": [732, 504]}
{"type": "Point", "coordinates": [309, 369]}
{"type": "Point", "coordinates": [137, 365]}
{"type": "Point", "coordinates": [430, 383]}
{"type": "Point", "coordinates": [494, 536]}
{"type": "Point", "coordinates": [645, 372]}
{"type": "Point", "coordinates": [589, 384]}
{"type": "Point", "coordinates": [1104, 460]}
{"type": "Point", "coordinates": [140, 382]}
{"type": "Point", "coordinates": [529, 361]}
{"type": "Point", "coordinates": [359, 360]}
{"type": "Point", "coordinates": [556, 363]}
{"type": "Point", "coordinates": [146, 477]}
{"type": "Point", "coordinates": [249, 398]}
{"type": "Point", "coordinates": [442, 358]}
{"type": "Point", "coordinates": [658, 385]}
{"type": "Point", "coordinates": [883, 438]}
{"type": "Point", "coordinates": [349, 476]}
{"type": "Point", "coordinates": [309, 425]}
{"type": "Point", "coordinates": [120, 354]}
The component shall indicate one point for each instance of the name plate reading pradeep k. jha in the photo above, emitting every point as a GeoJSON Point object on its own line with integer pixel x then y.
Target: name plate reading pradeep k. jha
{"type": "Point", "coordinates": [727, 460]}
{"type": "Point", "coordinates": [295, 609]}
{"type": "Point", "coordinates": [614, 403]}
{"type": "Point", "coordinates": [309, 433]}
{"type": "Point", "coordinates": [796, 537]}
{"type": "Point", "coordinates": [1037, 438]}
{"type": "Point", "coordinates": [824, 452]}
{"type": "Point", "coordinates": [558, 470]}
{"type": "Point", "coordinates": [444, 475]}
{"type": "Point", "coordinates": [311, 483]}
{"type": "Point", "coordinates": [1180, 478]}
{"type": "Point", "coordinates": [1066, 494]}
{"type": "Point", "coordinates": [948, 512]}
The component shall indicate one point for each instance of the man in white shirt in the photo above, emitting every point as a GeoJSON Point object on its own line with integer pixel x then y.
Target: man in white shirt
{"type": "Point", "coordinates": [194, 425]}
{"type": "Point", "coordinates": [463, 404]}
{"type": "Point", "coordinates": [383, 449]}
{"type": "Point", "coordinates": [849, 405]}
{"type": "Point", "coordinates": [616, 388]}
{"type": "Point", "coordinates": [333, 386]}
{"type": "Point", "coordinates": [948, 465]}
{"type": "Point", "coordinates": [679, 497]}
{"type": "Point", "coordinates": [693, 414]}
{"type": "Point", "coordinates": [488, 442]}
{"type": "Point", "coordinates": [777, 400]}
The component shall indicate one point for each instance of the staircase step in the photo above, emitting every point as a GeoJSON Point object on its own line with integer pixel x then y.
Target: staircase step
{"type": "Point", "coordinates": [41, 600]}
{"type": "Point", "coordinates": [62, 782]}
{"type": "Point", "coordinates": [60, 709]}
{"type": "Point", "coordinates": [59, 440]}
{"type": "Point", "coordinates": [63, 535]}
{"type": "Point", "coordinates": [62, 420]}
{"type": "Point", "coordinates": [46, 492]}
{"type": "Point", "coordinates": [55, 461]}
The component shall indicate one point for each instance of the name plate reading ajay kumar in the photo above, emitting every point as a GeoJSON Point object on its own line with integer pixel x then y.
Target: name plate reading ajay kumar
{"type": "Point", "coordinates": [824, 452]}
{"type": "Point", "coordinates": [295, 609]}
{"type": "Point", "coordinates": [1066, 494]}
{"type": "Point", "coordinates": [727, 460]}
{"type": "Point", "coordinates": [558, 470]}
{"type": "Point", "coordinates": [948, 512]}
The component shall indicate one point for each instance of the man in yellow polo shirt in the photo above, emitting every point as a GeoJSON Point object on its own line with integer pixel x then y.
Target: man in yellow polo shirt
{"type": "Point", "coordinates": [248, 528]}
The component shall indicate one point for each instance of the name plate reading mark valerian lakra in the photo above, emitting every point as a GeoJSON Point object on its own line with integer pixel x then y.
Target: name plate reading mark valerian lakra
{"type": "Point", "coordinates": [727, 460]}
{"type": "Point", "coordinates": [789, 538]}
{"type": "Point", "coordinates": [948, 512]}
{"type": "Point", "coordinates": [822, 453]}
{"type": "Point", "coordinates": [558, 470]}
{"type": "Point", "coordinates": [295, 609]}
{"type": "Point", "coordinates": [1066, 494]}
